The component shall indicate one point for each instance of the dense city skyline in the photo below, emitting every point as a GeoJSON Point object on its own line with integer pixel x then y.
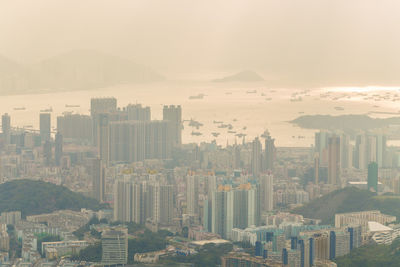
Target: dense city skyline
{"type": "Point", "coordinates": [225, 133]}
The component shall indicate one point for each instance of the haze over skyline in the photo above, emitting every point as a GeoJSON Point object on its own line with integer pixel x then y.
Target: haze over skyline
{"type": "Point", "coordinates": [290, 43]}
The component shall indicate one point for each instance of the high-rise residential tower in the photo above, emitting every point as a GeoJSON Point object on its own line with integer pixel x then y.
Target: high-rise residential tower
{"type": "Point", "coordinates": [269, 154]}
{"type": "Point", "coordinates": [6, 127]}
{"type": "Point", "coordinates": [103, 137]}
{"type": "Point", "coordinates": [58, 149]}
{"type": "Point", "coordinates": [192, 195]}
{"type": "Point", "coordinates": [98, 179]}
{"type": "Point", "coordinates": [334, 161]}
{"type": "Point", "coordinates": [267, 192]}
{"type": "Point", "coordinates": [373, 177]}
{"type": "Point", "coordinates": [173, 114]}
{"type": "Point", "coordinates": [138, 113]}
{"type": "Point", "coordinates": [256, 157]}
{"type": "Point", "coordinates": [100, 106]}
{"type": "Point", "coordinates": [45, 126]}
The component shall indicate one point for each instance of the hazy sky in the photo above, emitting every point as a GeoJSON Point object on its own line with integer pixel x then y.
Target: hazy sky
{"type": "Point", "coordinates": [304, 41]}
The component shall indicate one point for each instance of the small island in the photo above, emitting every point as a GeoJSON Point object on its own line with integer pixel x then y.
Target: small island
{"type": "Point", "coordinates": [344, 122]}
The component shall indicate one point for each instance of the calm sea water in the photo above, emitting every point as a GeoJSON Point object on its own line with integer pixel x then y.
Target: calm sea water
{"type": "Point", "coordinates": [250, 108]}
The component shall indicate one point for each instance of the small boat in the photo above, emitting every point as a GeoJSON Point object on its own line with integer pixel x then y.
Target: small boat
{"type": "Point", "coordinates": [232, 132]}
{"type": "Point", "coordinates": [194, 123]}
{"type": "Point", "coordinates": [199, 96]}
{"type": "Point", "coordinates": [72, 106]}
{"type": "Point", "coordinates": [196, 133]}
{"type": "Point", "coordinates": [215, 134]}
{"type": "Point", "coordinates": [251, 92]}
{"type": "Point", "coordinates": [298, 99]}
{"type": "Point", "coordinates": [339, 108]}
{"type": "Point", "coordinates": [47, 110]}
{"type": "Point", "coordinates": [19, 108]}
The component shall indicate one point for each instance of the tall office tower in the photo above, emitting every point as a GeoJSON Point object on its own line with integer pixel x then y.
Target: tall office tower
{"type": "Point", "coordinates": [256, 157]}
{"type": "Point", "coordinates": [334, 161]}
{"type": "Point", "coordinates": [316, 168]}
{"type": "Point", "coordinates": [163, 203]}
{"type": "Point", "coordinates": [127, 141]}
{"type": "Point", "coordinates": [100, 106]}
{"type": "Point", "coordinates": [267, 192]}
{"type": "Point", "coordinates": [138, 113]}
{"type": "Point", "coordinates": [373, 177]}
{"type": "Point", "coordinates": [58, 150]}
{"type": "Point", "coordinates": [47, 153]}
{"type": "Point", "coordinates": [381, 150]}
{"type": "Point", "coordinates": [173, 114]}
{"type": "Point", "coordinates": [6, 127]}
{"type": "Point", "coordinates": [158, 142]}
{"type": "Point", "coordinates": [45, 125]}
{"type": "Point", "coordinates": [114, 248]}
{"type": "Point", "coordinates": [103, 137]}
{"type": "Point", "coordinates": [98, 179]}
{"type": "Point", "coordinates": [75, 127]}
{"type": "Point", "coordinates": [192, 195]}
{"type": "Point", "coordinates": [269, 153]}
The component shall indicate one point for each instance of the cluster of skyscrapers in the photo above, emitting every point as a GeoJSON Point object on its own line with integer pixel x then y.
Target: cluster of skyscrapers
{"type": "Point", "coordinates": [339, 152]}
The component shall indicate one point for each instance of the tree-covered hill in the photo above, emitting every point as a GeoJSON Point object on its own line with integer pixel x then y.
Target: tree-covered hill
{"type": "Point", "coordinates": [349, 199]}
{"type": "Point", "coordinates": [36, 197]}
{"type": "Point", "coordinates": [372, 256]}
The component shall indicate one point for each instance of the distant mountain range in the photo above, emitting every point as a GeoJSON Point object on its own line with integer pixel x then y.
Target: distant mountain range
{"type": "Point", "coordinates": [74, 70]}
{"type": "Point", "coordinates": [243, 76]}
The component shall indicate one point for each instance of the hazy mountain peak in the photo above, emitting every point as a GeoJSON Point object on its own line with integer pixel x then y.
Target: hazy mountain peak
{"type": "Point", "coordinates": [242, 76]}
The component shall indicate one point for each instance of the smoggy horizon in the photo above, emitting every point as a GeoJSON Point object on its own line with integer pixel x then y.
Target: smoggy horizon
{"type": "Point", "coordinates": [301, 43]}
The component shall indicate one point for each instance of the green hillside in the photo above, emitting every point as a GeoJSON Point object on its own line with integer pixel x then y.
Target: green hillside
{"type": "Point", "coordinates": [349, 199]}
{"type": "Point", "coordinates": [36, 197]}
{"type": "Point", "coordinates": [372, 256]}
